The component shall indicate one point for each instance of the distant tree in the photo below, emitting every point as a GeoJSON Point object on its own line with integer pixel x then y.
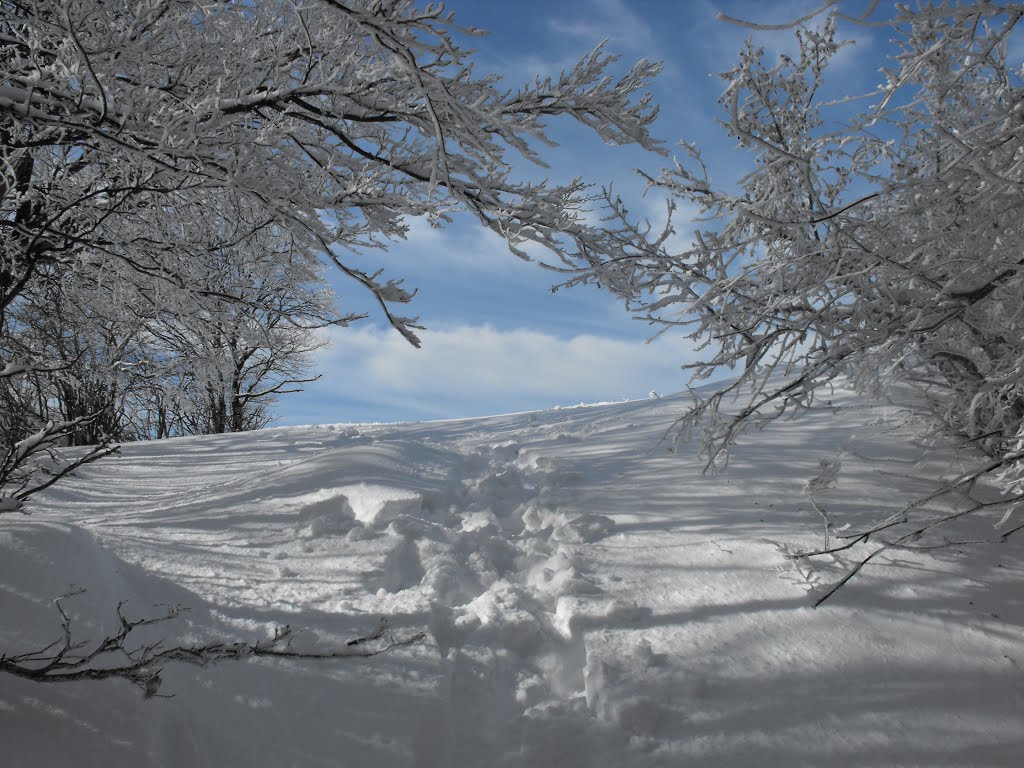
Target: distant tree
{"type": "Point", "coordinates": [90, 355]}
{"type": "Point", "coordinates": [124, 127]}
{"type": "Point", "coordinates": [881, 242]}
{"type": "Point", "coordinates": [122, 344]}
{"type": "Point", "coordinates": [250, 338]}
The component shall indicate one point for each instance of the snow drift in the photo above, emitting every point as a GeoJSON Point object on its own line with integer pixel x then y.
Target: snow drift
{"type": "Point", "coordinates": [590, 599]}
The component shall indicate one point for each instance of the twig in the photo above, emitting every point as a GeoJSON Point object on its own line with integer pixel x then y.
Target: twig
{"type": "Point", "coordinates": [64, 660]}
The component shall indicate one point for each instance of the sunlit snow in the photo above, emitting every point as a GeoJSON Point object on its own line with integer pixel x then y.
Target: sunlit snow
{"type": "Point", "coordinates": [589, 598]}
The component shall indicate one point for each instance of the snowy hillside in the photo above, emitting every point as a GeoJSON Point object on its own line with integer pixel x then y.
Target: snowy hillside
{"type": "Point", "coordinates": [589, 599]}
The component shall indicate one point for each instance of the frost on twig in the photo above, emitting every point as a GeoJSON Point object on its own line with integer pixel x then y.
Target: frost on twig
{"type": "Point", "coordinates": [828, 472]}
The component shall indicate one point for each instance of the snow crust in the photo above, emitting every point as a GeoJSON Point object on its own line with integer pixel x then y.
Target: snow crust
{"type": "Point", "coordinates": [591, 600]}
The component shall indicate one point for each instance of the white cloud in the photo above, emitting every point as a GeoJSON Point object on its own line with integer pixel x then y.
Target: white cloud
{"type": "Point", "coordinates": [470, 246]}
{"type": "Point", "coordinates": [627, 33]}
{"type": "Point", "coordinates": [464, 245]}
{"type": "Point", "coordinates": [372, 373]}
{"type": "Point", "coordinates": [611, 19]}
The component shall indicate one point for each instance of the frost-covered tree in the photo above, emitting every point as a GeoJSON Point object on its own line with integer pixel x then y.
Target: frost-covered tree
{"type": "Point", "coordinates": [157, 360]}
{"type": "Point", "coordinates": [125, 125]}
{"type": "Point", "coordinates": [250, 339]}
{"type": "Point", "coordinates": [885, 240]}
{"type": "Point", "coordinates": [87, 353]}
{"type": "Point", "coordinates": [878, 237]}
{"type": "Point", "coordinates": [335, 120]}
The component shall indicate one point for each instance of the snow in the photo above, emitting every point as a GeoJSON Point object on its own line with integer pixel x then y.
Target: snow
{"type": "Point", "coordinates": [590, 599]}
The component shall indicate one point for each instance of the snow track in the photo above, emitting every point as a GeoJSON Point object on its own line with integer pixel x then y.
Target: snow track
{"type": "Point", "coordinates": [590, 600]}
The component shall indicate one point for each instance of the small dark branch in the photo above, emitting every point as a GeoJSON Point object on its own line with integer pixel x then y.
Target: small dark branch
{"type": "Point", "coordinates": [802, 554]}
{"type": "Point", "coordinates": [852, 572]}
{"type": "Point", "coordinates": [21, 472]}
{"type": "Point", "coordinates": [974, 295]}
{"type": "Point", "coordinates": [66, 660]}
{"type": "Point", "coordinates": [889, 522]}
{"type": "Point", "coordinates": [97, 453]}
{"type": "Point", "coordinates": [381, 630]}
{"type": "Point", "coordinates": [908, 541]}
{"type": "Point", "coordinates": [1007, 534]}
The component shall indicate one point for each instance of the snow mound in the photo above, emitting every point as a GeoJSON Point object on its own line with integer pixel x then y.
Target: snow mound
{"type": "Point", "coordinates": [325, 513]}
{"type": "Point", "coordinates": [377, 505]}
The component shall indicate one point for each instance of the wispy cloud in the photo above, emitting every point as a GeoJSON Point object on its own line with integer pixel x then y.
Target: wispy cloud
{"type": "Point", "coordinates": [371, 373]}
{"type": "Point", "coordinates": [723, 38]}
{"type": "Point", "coordinates": [614, 20]}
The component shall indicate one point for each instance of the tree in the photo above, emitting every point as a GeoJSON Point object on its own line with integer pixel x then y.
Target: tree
{"type": "Point", "coordinates": [155, 360]}
{"type": "Point", "coordinates": [126, 127]}
{"type": "Point", "coordinates": [887, 249]}
{"type": "Point", "coordinates": [250, 338]}
{"type": "Point", "coordinates": [369, 111]}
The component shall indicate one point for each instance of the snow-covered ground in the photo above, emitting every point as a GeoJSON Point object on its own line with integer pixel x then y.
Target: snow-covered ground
{"type": "Point", "coordinates": [590, 599]}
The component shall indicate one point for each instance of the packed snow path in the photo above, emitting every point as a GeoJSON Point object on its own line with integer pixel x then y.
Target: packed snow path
{"type": "Point", "coordinates": [590, 599]}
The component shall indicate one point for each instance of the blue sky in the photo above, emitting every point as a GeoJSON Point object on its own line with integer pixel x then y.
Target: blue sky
{"type": "Point", "coordinates": [498, 340]}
